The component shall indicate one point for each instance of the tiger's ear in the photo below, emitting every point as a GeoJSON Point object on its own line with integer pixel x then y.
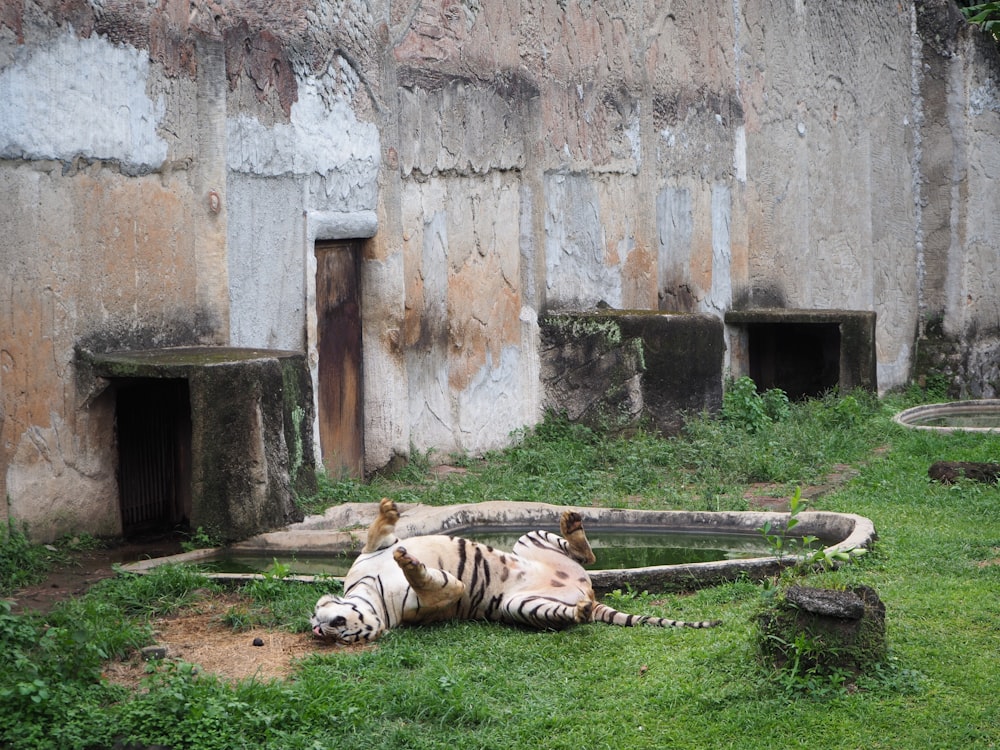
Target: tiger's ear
{"type": "Point", "coordinates": [326, 599]}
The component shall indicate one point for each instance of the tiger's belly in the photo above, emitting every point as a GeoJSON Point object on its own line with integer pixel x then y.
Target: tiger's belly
{"type": "Point", "coordinates": [491, 578]}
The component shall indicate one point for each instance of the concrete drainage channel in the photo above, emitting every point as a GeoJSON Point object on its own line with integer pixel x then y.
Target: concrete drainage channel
{"type": "Point", "coordinates": [341, 530]}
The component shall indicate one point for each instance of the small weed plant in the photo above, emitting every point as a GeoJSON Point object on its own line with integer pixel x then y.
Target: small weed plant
{"type": "Point", "coordinates": [986, 16]}
{"type": "Point", "coordinates": [21, 562]}
{"type": "Point", "coordinates": [803, 549]}
{"type": "Point", "coordinates": [201, 538]}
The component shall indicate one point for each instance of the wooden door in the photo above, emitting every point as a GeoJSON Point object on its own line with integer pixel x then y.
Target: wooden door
{"type": "Point", "coordinates": [338, 314]}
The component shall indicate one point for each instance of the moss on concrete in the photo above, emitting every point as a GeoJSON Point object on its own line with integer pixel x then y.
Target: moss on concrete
{"type": "Point", "coordinates": [824, 631]}
{"type": "Point", "coordinates": [618, 369]}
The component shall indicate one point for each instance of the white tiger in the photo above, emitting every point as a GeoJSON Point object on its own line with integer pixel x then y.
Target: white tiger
{"type": "Point", "coordinates": [541, 584]}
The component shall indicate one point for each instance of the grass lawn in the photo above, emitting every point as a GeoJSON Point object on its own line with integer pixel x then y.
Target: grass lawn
{"type": "Point", "coordinates": [936, 566]}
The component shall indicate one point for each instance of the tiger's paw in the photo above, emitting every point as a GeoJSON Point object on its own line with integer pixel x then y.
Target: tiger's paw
{"type": "Point", "coordinates": [407, 561]}
{"type": "Point", "coordinates": [585, 610]}
{"type": "Point", "coordinates": [388, 511]}
{"type": "Point", "coordinates": [570, 523]}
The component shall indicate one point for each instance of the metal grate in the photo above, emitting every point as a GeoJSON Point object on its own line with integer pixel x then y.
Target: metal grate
{"type": "Point", "coordinates": [149, 415]}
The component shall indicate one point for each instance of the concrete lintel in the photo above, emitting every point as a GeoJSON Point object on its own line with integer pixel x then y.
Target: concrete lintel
{"type": "Point", "coordinates": [341, 225]}
{"type": "Point", "coordinates": [783, 315]}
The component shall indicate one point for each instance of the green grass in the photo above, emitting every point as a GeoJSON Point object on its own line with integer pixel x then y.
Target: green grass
{"type": "Point", "coordinates": [21, 562]}
{"type": "Point", "coordinates": [474, 685]}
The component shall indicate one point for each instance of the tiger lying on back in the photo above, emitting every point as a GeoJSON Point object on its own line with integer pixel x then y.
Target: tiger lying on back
{"type": "Point", "coordinates": [542, 584]}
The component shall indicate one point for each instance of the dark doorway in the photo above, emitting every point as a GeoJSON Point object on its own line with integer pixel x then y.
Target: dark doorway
{"type": "Point", "coordinates": [341, 397]}
{"type": "Point", "coordinates": [802, 359]}
{"type": "Point", "coordinates": [153, 422]}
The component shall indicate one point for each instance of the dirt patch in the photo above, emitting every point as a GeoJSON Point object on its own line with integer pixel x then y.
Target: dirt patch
{"type": "Point", "coordinates": [82, 569]}
{"type": "Point", "coordinates": [774, 497]}
{"type": "Point", "coordinates": [198, 635]}
{"type": "Point", "coordinates": [992, 561]}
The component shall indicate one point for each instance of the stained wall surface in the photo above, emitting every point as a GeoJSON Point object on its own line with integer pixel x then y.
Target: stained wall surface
{"type": "Point", "coordinates": [168, 168]}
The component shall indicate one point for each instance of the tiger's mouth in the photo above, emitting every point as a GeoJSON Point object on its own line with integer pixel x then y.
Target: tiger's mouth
{"type": "Point", "coordinates": [334, 636]}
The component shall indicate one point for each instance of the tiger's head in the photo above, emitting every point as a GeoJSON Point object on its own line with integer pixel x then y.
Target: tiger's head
{"type": "Point", "coordinates": [342, 621]}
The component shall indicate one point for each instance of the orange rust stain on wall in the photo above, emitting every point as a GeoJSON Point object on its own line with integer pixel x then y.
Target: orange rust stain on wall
{"type": "Point", "coordinates": [115, 254]}
{"type": "Point", "coordinates": [414, 290]}
{"type": "Point", "coordinates": [639, 280]}
{"type": "Point", "coordinates": [140, 258]}
{"type": "Point", "coordinates": [701, 244]}
{"type": "Point", "coordinates": [484, 312]}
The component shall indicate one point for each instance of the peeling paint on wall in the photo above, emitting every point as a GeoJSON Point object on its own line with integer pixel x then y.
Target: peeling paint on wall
{"type": "Point", "coordinates": [171, 164]}
{"type": "Point", "coordinates": [324, 138]}
{"type": "Point", "coordinates": [579, 271]}
{"type": "Point", "coordinates": [323, 160]}
{"type": "Point", "coordinates": [103, 110]}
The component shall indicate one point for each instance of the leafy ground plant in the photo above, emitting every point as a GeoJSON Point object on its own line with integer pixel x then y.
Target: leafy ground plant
{"type": "Point", "coordinates": [986, 16]}
{"type": "Point", "coordinates": [936, 566]}
{"type": "Point", "coordinates": [21, 562]}
{"type": "Point", "coordinates": [806, 553]}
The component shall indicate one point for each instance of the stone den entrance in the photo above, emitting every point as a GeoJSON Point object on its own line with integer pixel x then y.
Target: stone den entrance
{"type": "Point", "coordinates": [218, 437]}
{"type": "Point", "coordinates": [153, 431]}
{"type": "Point", "coordinates": [805, 353]}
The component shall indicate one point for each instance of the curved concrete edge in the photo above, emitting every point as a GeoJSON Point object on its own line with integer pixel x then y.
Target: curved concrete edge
{"type": "Point", "coordinates": [925, 411]}
{"type": "Point", "coordinates": [855, 532]}
{"type": "Point", "coordinates": [320, 534]}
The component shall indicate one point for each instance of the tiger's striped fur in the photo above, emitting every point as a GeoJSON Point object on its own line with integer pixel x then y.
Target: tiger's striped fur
{"type": "Point", "coordinates": [540, 584]}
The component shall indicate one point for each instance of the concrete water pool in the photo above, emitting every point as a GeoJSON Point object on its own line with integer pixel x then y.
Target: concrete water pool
{"type": "Point", "coordinates": [658, 550]}
{"type": "Point", "coordinates": [977, 415]}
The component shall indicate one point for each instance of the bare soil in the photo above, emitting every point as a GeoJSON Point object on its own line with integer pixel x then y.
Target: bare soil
{"type": "Point", "coordinates": [199, 636]}
{"type": "Point", "coordinates": [774, 497]}
{"type": "Point", "coordinates": [85, 568]}
{"type": "Point", "coordinates": [196, 635]}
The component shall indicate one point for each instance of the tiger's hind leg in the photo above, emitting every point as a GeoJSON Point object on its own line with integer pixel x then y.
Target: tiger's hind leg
{"type": "Point", "coordinates": [547, 613]}
{"type": "Point", "coordinates": [382, 532]}
{"type": "Point", "coordinates": [436, 590]}
{"type": "Point", "coordinates": [571, 526]}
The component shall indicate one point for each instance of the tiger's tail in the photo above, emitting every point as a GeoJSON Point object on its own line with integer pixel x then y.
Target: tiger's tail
{"type": "Point", "coordinates": [611, 616]}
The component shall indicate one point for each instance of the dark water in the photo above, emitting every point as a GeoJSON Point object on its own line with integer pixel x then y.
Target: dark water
{"type": "Point", "coordinates": [614, 549]}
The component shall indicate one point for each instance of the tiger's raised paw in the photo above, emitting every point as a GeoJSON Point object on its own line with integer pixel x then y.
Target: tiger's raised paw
{"type": "Point", "coordinates": [388, 511]}
{"type": "Point", "coordinates": [570, 523]}
{"type": "Point", "coordinates": [405, 560]}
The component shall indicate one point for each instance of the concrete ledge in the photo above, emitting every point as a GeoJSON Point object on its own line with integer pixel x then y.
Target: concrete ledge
{"type": "Point", "coordinates": [988, 409]}
{"type": "Point", "coordinates": [617, 369]}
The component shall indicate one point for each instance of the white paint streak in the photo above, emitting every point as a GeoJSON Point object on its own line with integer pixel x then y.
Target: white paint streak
{"type": "Point", "coordinates": [983, 99]}
{"type": "Point", "coordinates": [740, 154]}
{"type": "Point", "coordinates": [490, 408]}
{"type": "Point", "coordinates": [319, 139]}
{"type": "Point", "coordinates": [721, 294]}
{"type": "Point", "coordinates": [577, 268]}
{"type": "Point", "coordinates": [102, 112]}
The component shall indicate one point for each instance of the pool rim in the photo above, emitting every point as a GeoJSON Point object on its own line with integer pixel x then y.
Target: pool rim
{"type": "Point", "coordinates": [989, 405]}
{"type": "Point", "coordinates": [854, 531]}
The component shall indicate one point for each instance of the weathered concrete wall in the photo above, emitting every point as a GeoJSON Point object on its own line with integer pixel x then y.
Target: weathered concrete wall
{"type": "Point", "coordinates": [170, 167]}
{"type": "Point", "coordinates": [959, 255]}
{"type": "Point", "coordinates": [830, 164]}
{"type": "Point", "coordinates": [107, 242]}
{"type": "Point", "coordinates": [622, 370]}
{"type": "Point", "coordinates": [533, 150]}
